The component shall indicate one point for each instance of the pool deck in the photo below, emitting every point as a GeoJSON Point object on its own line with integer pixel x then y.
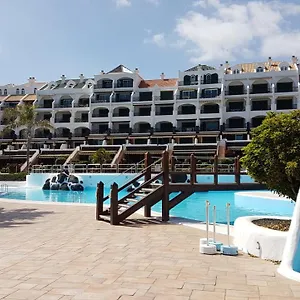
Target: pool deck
{"type": "Point", "coordinates": [51, 252]}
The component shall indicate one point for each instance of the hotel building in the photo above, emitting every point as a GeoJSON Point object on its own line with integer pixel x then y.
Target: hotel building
{"type": "Point", "coordinates": [202, 106]}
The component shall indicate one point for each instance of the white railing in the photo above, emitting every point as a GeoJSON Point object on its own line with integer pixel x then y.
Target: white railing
{"type": "Point", "coordinates": [127, 168]}
{"type": "Point", "coordinates": [31, 159]}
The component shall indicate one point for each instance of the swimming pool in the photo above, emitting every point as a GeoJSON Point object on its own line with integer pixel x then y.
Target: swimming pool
{"type": "Point", "coordinates": [191, 208]}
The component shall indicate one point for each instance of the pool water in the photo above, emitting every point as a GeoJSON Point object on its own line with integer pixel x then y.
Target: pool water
{"type": "Point", "coordinates": [191, 208]}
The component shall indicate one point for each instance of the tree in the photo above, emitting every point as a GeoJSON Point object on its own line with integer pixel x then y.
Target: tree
{"type": "Point", "coordinates": [273, 155]}
{"type": "Point", "coordinates": [24, 116]}
{"type": "Point", "coordinates": [101, 156]}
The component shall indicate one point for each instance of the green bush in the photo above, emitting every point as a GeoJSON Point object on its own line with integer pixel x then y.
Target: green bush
{"type": "Point", "coordinates": [13, 177]}
{"type": "Point", "coordinates": [61, 159]}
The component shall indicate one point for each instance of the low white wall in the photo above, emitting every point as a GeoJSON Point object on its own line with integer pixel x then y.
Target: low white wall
{"type": "Point", "coordinates": [259, 241]}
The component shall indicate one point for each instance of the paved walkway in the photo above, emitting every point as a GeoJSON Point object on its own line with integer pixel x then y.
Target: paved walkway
{"type": "Point", "coordinates": [50, 252]}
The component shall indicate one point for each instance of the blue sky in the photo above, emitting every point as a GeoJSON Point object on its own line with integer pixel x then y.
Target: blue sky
{"type": "Point", "coordinates": [47, 38]}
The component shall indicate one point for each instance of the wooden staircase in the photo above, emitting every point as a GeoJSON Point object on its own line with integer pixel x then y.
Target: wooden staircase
{"type": "Point", "coordinates": [158, 185]}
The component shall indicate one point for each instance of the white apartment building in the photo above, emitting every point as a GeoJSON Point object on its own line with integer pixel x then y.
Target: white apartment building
{"type": "Point", "coordinates": [203, 104]}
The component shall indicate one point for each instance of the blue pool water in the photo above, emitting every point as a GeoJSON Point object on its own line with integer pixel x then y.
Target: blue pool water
{"type": "Point", "coordinates": [191, 208]}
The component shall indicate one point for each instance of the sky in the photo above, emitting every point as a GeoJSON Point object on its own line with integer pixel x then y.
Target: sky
{"type": "Point", "coordinates": [48, 38]}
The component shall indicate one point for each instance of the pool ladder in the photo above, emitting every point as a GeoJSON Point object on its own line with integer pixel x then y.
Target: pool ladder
{"type": "Point", "coordinates": [3, 188]}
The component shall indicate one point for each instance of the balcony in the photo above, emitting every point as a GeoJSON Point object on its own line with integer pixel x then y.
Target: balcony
{"type": "Point", "coordinates": [286, 89]}
{"type": "Point", "coordinates": [81, 120]}
{"type": "Point", "coordinates": [107, 85]}
{"type": "Point", "coordinates": [100, 131]}
{"type": "Point", "coordinates": [62, 120]}
{"type": "Point", "coordinates": [183, 83]}
{"type": "Point", "coordinates": [63, 105]}
{"type": "Point", "coordinates": [101, 100]}
{"type": "Point", "coordinates": [228, 109]}
{"type": "Point", "coordinates": [124, 84]}
{"type": "Point", "coordinates": [211, 82]}
{"type": "Point", "coordinates": [260, 89]}
{"type": "Point", "coordinates": [121, 98]}
{"type": "Point", "coordinates": [186, 129]}
{"type": "Point", "coordinates": [235, 92]}
{"type": "Point", "coordinates": [81, 105]}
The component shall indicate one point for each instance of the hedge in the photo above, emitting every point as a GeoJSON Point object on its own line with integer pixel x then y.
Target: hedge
{"type": "Point", "coordinates": [13, 177]}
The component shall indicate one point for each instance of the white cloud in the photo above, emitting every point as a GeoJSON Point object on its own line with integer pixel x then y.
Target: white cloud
{"type": "Point", "coordinates": [123, 3]}
{"type": "Point", "coordinates": [223, 30]}
{"type": "Point", "coordinates": [157, 39]}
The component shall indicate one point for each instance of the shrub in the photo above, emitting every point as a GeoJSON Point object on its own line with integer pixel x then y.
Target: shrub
{"type": "Point", "coordinates": [101, 156]}
{"type": "Point", "coordinates": [273, 155]}
{"type": "Point", "coordinates": [13, 177]}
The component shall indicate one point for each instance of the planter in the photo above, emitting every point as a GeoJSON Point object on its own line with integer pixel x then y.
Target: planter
{"type": "Point", "coordinates": [259, 241]}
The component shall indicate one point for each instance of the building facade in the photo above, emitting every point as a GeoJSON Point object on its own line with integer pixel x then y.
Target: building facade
{"type": "Point", "coordinates": [204, 104]}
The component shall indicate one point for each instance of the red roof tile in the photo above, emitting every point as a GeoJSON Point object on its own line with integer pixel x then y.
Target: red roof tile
{"type": "Point", "coordinates": [170, 82]}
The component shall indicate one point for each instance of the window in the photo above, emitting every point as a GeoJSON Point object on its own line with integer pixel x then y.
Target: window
{"type": "Point", "coordinates": [284, 68]}
{"type": "Point", "coordinates": [259, 70]}
{"type": "Point", "coordinates": [89, 85]}
{"type": "Point", "coordinates": [5, 92]}
{"type": "Point", "coordinates": [34, 91]}
{"type": "Point", "coordinates": [127, 83]}
{"type": "Point", "coordinates": [52, 86]}
{"type": "Point", "coordinates": [71, 85]}
{"type": "Point", "coordinates": [17, 91]}
{"type": "Point", "coordinates": [23, 92]}
{"type": "Point", "coordinates": [236, 71]}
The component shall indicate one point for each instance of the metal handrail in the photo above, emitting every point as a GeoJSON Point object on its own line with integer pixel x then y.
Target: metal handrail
{"type": "Point", "coordinates": [3, 188]}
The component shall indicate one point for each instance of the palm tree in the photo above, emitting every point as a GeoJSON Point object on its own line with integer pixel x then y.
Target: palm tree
{"type": "Point", "coordinates": [24, 115]}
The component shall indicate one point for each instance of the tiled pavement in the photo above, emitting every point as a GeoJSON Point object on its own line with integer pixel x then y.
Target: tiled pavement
{"type": "Point", "coordinates": [50, 252]}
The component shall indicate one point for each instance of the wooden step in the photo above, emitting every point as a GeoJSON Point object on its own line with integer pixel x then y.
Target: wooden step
{"type": "Point", "coordinates": [123, 206]}
{"type": "Point", "coordinates": [105, 218]}
{"type": "Point", "coordinates": [147, 190]}
{"type": "Point", "coordinates": [140, 194]}
{"type": "Point", "coordinates": [131, 200]}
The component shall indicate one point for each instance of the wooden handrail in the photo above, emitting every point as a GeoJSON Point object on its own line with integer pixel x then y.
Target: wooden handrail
{"type": "Point", "coordinates": [134, 179]}
{"type": "Point", "coordinates": [144, 184]}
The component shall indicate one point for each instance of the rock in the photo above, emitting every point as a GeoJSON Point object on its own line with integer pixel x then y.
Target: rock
{"type": "Point", "coordinates": [64, 187]}
{"type": "Point", "coordinates": [73, 179]}
{"type": "Point", "coordinates": [61, 177]}
{"type": "Point", "coordinates": [46, 185]}
{"type": "Point", "coordinates": [53, 179]}
{"type": "Point", "coordinates": [54, 187]}
{"type": "Point", "coordinates": [76, 187]}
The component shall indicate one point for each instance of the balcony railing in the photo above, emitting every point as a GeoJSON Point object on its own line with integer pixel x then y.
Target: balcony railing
{"type": "Point", "coordinates": [115, 99]}
{"type": "Point", "coordinates": [120, 116]}
{"type": "Point", "coordinates": [180, 113]}
{"type": "Point", "coordinates": [182, 83]}
{"type": "Point", "coordinates": [63, 105]}
{"type": "Point", "coordinates": [80, 120]}
{"type": "Point", "coordinates": [103, 86]}
{"type": "Point", "coordinates": [120, 85]}
{"type": "Point", "coordinates": [260, 108]}
{"type": "Point", "coordinates": [62, 120]}
{"type": "Point", "coordinates": [262, 91]}
{"type": "Point", "coordinates": [234, 109]}
{"type": "Point", "coordinates": [287, 90]}
{"type": "Point", "coordinates": [138, 99]}
{"type": "Point", "coordinates": [99, 131]}
{"type": "Point", "coordinates": [103, 100]}
{"type": "Point", "coordinates": [99, 116]}
{"type": "Point", "coordinates": [164, 113]}
{"type": "Point", "coordinates": [293, 106]}
{"type": "Point", "coordinates": [157, 98]}
{"type": "Point", "coordinates": [44, 106]}
{"type": "Point", "coordinates": [235, 93]}
{"type": "Point", "coordinates": [120, 130]}
{"type": "Point", "coordinates": [203, 111]}
{"type": "Point", "coordinates": [211, 82]}
{"type": "Point", "coordinates": [81, 105]}
{"type": "Point", "coordinates": [142, 115]}
{"type": "Point", "coordinates": [186, 97]}
{"type": "Point", "coordinates": [186, 129]}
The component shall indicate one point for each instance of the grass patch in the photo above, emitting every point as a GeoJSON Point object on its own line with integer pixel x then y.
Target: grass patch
{"type": "Point", "coordinates": [13, 177]}
{"type": "Point", "coordinates": [274, 224]}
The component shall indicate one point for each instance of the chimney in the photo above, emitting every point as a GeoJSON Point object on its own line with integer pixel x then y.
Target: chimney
{"type": "Point", "coordinates": [294, 59]}
{"type": "Point", "coordinates": [81, 78]}
{"type": "Point", "coordinates": [226, 64]}
{"type": "Point", "coordinates": [270, 61]}
{"type": "Point", "coordinates": [162, 76]}
{"type": "Point", "coordinates": [102, 72]}
{"type": "Point", "coordinates": [31, 80]}
{"type": "Point", "coordinates": [63, 78]}
{"type": "Point", "coordinates": [136, 71]}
